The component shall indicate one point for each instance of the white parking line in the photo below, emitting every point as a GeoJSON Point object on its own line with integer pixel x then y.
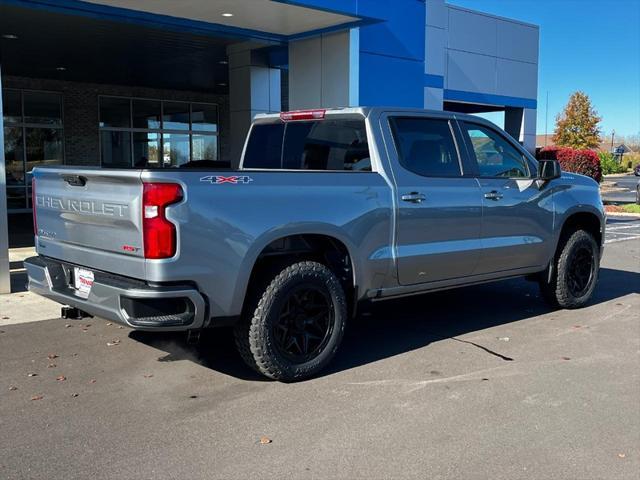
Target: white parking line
{"type": "Point", "coordinates": [621, 227]}
{"type": "Point", "coordinates": [615, 240]}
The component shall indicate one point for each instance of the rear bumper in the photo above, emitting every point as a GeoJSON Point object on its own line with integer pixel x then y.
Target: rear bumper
{"type": "Point", "coordinates": [130, 302]}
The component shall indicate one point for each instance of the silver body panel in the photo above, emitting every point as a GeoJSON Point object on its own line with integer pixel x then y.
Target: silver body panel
{"type": "Point", "coordinates": [455, 237]}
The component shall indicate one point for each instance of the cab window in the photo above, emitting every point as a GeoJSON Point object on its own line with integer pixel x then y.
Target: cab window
{"type": "Point", "coordinates": [495, 155]}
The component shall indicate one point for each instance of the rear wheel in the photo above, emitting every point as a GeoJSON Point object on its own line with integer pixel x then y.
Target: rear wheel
{"type": "Point", "coordinates": [575, 272]}
{"type": "Point", "coordinates": [295, 324]}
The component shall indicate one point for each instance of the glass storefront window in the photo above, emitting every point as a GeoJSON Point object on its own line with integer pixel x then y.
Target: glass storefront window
{"type": "Point", "coordinates": [115, 112]}
{"type": "Point", "coordinates": [115, 149]}
{"type": "Point", "coordinates": [11, 106]}
{"type": "Point", "coordinates": [147, 133]}
{"type": "Point", "coordinates": [146, 114]}
{"type": "Point", "coordinates": [44, 147]}
{"type": "Point", "coordinates": [33, 136]}
{"type": "Point", "coordinates": [146, 150]}
{"type": "Point", "coordinates": [205, 147]}
{"type": "Point", "coordinates": [204, 118]}
{"type": "Point", "coordinates": [175, 149]}
{"type": "Point", "coordinates": [175, 116]}
{"type": "Point", "coordinates": [42, 108]}
{"type": "Point", "coordinates": [14, 156]}
{"type": "Point", "coordinates": [16, 198]}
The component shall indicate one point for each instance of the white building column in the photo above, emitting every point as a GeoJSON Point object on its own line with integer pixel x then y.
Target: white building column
{"type": "Point", "coordinates": [5, 278]}
{"type": "Point", "coordinates": [529, 129]}
{"type": "Point", "coordinates": [254, 88]}
{"type": "Point", "coordinates": [324, 71]}
{"type": "Point", "coordinates": [435, 53]}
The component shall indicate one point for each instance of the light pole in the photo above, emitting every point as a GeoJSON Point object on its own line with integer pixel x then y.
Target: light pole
{"type": "Point", "coordinates": [613, 132]}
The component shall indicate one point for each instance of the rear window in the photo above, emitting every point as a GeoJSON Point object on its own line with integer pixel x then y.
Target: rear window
{"type": "Point", "coordinates": [317, 145]}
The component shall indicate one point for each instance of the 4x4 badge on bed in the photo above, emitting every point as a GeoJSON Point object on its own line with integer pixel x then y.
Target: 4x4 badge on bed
{"type": "Point", "coordinates": [218, 179]}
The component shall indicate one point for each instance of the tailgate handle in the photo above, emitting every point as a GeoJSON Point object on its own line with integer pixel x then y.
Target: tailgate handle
{"type": "Point", "coordinates": [75, 180]}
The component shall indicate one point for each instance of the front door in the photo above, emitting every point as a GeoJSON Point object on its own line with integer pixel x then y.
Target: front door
{"type": "Point", "coordinates": [517, 215]}
{"type": "Point", "coordinates": [439, 209]}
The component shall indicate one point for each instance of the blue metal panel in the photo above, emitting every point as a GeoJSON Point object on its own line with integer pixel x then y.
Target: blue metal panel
{"type": "Point", "coordinates": [391, 81]}
{"type": "Point", "coordinates": [435, 81]}
{"type": "Point", "coordinates": [400, 35]}
{"type": "Point", "coordinates": [489, 99]}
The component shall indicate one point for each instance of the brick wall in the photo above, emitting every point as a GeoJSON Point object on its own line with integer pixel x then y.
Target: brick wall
{"type": "Point", "coordinates": [80, 103]}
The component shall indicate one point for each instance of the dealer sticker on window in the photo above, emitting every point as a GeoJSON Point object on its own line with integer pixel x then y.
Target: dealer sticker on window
{"type": "Point", "coordinates": [83, 281]}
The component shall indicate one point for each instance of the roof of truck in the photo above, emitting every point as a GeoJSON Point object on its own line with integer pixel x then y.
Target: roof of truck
{"type": "Point", "coordinates": [365, 111]}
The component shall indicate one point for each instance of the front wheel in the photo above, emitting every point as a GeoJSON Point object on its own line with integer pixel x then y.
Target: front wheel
{"type": "Point", "coordinates": [294, 326]}
{"type": "Point", "coordinates": [575, 272]}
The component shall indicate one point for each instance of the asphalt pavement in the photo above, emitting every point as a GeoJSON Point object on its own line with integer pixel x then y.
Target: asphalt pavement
{"type": "Point", "coordinates": [624, 191]}
{"type": "Point", "coordinates": [481, 382]}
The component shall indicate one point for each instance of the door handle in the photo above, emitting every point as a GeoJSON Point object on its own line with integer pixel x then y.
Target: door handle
{"type": "Point", "coordinates": [493, 195]}
{"type": "Point", "coordinates": [414, 197]}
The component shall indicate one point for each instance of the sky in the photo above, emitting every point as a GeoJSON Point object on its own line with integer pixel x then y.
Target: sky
{"type": "Point", "coordinates": [588, 45]}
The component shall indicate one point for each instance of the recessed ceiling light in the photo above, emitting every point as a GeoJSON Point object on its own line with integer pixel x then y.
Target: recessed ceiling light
{"type": "Point", "coordinates": [61, 69]}
{"type": "Point", "coordinates": [227, 14]}
{"type": "Point", "coordinates": [223, 62]}
{"type": "Point", "coordinates": [222, 84]}
{"type": "Point", "coordinates": [9, 36]}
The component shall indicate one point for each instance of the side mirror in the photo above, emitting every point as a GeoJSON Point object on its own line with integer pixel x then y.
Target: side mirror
{"type": "Point", "coordinates": [548, 170]}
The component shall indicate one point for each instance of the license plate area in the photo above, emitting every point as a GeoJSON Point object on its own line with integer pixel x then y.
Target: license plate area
{"type": "Point", "coordinates": [82, 281]}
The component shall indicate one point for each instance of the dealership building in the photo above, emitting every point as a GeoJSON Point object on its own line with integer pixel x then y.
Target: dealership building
{"type": "Point", "coordinates": [126, 83]}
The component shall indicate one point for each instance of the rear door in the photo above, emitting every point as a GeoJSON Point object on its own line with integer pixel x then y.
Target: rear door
{"type": "Point", "coordinates": [517, 215]}
{"type": "Point", "coordinates": [439, 206]}
{"type": "Point", "coordinates": [91, 217]}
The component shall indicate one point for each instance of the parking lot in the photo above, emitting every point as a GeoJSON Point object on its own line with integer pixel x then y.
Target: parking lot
{"type": "Point", "coordinates": [481, 382]}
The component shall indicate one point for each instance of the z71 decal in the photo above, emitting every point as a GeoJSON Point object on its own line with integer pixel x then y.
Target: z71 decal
{"type": "Point", "coordinates": [219, 179]}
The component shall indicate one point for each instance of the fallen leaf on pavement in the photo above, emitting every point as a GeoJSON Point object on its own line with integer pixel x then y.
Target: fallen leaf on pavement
{"type": "Point", "coordinates": [504, 339]}
{"type": "Point", "coordinates": [51, 356]}
{"type": "Point", "coordinates": [61, 378]}
{"type": "Point", "coordinates": [13, 388]}
{"type": "Point", "coordinates": [32, 375]}
{"type": "Point", "coordinates": [265, 440]}
{"type": "Point", "coordinates": [37, 397]}
{"type": "Point", "coordinates": [622, 455]}
{"type": "Point", "coordinates": [148, 375]}
{"type": "Point", "coordinates": [120, 326]}
{"type": "Point", "coordinates": [566, 358]}
{"type": "Point", "coordinates": [51, 365]}
{"type": "Point", "coordinates": [68, 325]}
{"type": "Point", "coordinates": [75, 394]}
{"type": "Point", "coordinates": [113, 342]}
{"type": "Point", "coordinates": [5, 318]}
{"type": "Point", "coordinates": [109, 324]}
{"type": "Point", "coordinates": [93, 380]}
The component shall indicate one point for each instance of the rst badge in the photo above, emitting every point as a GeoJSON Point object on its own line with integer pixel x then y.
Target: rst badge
{"type": "Point", "coordinates": [219, 179]}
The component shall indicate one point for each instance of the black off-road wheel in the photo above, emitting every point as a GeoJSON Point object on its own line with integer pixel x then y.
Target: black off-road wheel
{"type": "Point", "coordinates": [575, 272]}
{"type": "Point", "coordinates": [293, 327]}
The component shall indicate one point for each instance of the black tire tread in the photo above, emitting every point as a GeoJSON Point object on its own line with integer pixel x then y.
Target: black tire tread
{"type": "Point", "coordinates": [249, 334]}
{"type": "Point", "coordinates": [555, 292]}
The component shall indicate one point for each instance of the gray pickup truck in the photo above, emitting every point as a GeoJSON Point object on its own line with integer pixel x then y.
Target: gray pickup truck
{"type": "Point", "coordinates": [329, 209]}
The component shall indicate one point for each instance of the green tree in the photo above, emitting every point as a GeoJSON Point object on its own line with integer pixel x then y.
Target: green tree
{"type": "Point", "coordinates": [577, 125]}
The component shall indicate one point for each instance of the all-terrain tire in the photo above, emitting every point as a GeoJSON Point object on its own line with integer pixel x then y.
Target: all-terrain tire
{"type": "Point", "coordinates": [254, 334]}
{"type": "Point", "coordinates": [557, 290]}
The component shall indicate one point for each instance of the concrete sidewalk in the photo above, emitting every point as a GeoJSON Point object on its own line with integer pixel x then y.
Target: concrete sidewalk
{"type": "Point", "coordinates": [21, 306]}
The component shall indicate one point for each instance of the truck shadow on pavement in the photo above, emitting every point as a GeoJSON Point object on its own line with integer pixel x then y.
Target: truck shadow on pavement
{"type": "Point", "coordinates": [394, 327]}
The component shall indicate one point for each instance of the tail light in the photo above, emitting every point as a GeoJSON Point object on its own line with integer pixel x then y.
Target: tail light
{"type": "Point", "coordinates": [303, 115]}
{"type": "Point", "coordinates": [158, 232]}
{"type": "Point", "coordinates": [33, 205]}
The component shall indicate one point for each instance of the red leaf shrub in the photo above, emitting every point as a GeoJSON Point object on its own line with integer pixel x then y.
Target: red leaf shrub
{"type": "Point", "coordinates": [585, 162]}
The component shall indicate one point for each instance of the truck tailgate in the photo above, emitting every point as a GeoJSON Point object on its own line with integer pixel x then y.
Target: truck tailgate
{"type": "Point", "coordinates": [90, 217]}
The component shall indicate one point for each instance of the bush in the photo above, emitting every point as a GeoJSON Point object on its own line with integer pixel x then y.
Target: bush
{"type": "Point", "coordinates": [585, 162]}
{"type": "Point", "coordinates": [609, 164]}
